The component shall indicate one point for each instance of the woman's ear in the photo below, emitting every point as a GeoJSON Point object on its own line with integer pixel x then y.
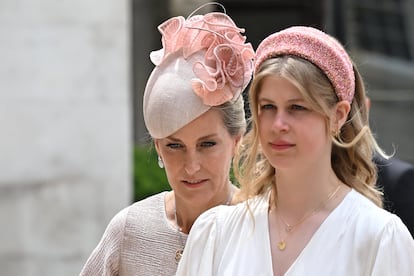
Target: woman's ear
{"type": "Point", "coordinates": [237, 143]}
{"type": "Point", "coordinates": [341, 114]}
{"type": "Point", "coordinates": [239, 139]}
{"type": "Point", "coordinates": [157, 146]}
{"type": "Point", "coordinates": [157, 149]}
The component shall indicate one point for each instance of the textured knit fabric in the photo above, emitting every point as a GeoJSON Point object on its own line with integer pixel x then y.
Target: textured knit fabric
{"type": "Point", "coordinates": [357, 238]}
{"type": "Point", "coordinates": [138, 241]}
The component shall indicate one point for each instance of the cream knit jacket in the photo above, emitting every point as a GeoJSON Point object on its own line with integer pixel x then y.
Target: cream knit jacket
{"type": "Point", "coordinates": [138, 241]}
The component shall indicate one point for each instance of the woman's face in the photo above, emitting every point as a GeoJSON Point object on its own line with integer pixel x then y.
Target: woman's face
{"type": "Point", "coordinates": [290, 133]}
{"type": "Point", "coordinates": [197, 159]}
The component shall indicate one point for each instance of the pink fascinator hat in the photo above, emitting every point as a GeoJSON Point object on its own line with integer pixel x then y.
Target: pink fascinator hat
{"type": "Point", "coordinates": [321, 49]}
{"type": "Point", "coordinates": [204, 62]}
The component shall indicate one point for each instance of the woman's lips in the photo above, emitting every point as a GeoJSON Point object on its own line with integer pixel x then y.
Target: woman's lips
{"type": "Point", "coordinates": [281, 145]}
{"type": "Point", "coordinates": [194, 183]}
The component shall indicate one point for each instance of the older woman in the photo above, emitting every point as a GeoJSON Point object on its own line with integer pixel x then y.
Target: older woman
{"type": "Point", "coordinates": [193, 109]}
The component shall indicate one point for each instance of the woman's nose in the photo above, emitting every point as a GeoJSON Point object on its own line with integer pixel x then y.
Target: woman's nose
{"type": "Point", "coordinates": [192, 163]}
{"type": "Point", "coordinates": [280, 122]}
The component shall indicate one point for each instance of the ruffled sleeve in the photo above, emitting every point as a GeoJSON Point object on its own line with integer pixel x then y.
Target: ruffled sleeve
{"type": "Point", "coordinates": [198, 257]}
{"type": "Point", "coordinates": [395, 251]}
{"type": "Point", "coordinates": [105, 258]}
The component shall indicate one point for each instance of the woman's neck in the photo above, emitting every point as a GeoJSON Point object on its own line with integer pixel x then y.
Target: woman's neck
{"type": "Point", "coordinates": [300, 192]}
{"type": "Point", "coordinates": [182, 214]}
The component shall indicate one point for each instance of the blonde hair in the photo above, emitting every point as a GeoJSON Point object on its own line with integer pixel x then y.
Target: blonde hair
{"type": "Point", "coordinates": [233, 116]}
{"type": "Point", "coordinates": [352, 149]}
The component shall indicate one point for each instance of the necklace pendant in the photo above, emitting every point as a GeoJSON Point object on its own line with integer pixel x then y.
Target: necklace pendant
{"type": "Point", "coordinates": [281, 245]}
{"type": "Point", "coordinates": [178, 255]}
{"type": "Point", "coordinates": [288, 228]}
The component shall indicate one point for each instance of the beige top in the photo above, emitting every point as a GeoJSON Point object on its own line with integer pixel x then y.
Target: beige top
{"type": "Point", "coordinates": [138, 241]}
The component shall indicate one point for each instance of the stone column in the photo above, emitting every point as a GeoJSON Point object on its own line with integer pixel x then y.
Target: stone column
{"type": "Point", "coordinates": [65, 130]}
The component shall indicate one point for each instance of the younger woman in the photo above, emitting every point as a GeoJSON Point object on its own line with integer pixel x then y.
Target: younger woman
{"type": "Point", "coordinates": [306, 169]}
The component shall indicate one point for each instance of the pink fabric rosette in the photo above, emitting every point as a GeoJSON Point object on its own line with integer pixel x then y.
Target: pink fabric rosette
{"type": "Point", "coordinates": [227, 66]}
{"type": "Point", "coordinates": [204, 62]}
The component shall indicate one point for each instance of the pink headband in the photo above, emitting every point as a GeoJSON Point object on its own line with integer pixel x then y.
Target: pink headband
{"type": "Point", "coordinates": [317, 47]}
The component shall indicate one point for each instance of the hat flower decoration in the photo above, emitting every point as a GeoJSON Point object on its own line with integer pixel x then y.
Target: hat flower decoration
{"type": "Point", "coordinates": [227, 66]}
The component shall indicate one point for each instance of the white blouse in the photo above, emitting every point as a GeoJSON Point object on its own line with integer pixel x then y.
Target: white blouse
{"type": "Point", "coordinates": [357, 238]}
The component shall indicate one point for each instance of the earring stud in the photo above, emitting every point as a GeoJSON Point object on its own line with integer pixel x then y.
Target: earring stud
{"type": "Point", "coordinates": [160, 163]}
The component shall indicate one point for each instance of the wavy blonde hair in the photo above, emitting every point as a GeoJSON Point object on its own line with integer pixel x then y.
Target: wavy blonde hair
{"type": "Point", "coordinates": [352, 148]}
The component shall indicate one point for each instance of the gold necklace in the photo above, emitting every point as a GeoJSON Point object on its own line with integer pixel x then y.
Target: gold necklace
{"type": "Point", "coordinates": [290, 227]}
{"type": "Point", "coordinates": [179, 251]}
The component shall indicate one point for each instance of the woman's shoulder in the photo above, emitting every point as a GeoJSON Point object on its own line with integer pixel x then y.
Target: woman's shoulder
{"type": "Point", "coordinates": [146, 207]}
{"type": "Point", "coordinates": [150, 209]}
{"type": "Point", "coordinates": [150, 201]}
{"type": "Point", "coordinates": [241, 214]}
{"type": "Point", "coordinates": [255, 204]}
{"type": "Point", "coordinates": [220, 230]}
{"type": "Point", "coordinates": [124, 223]}
{"type": "Point", "coordinates": [373, 217]}
{"type": "Point", "coordinates": [364, 208]}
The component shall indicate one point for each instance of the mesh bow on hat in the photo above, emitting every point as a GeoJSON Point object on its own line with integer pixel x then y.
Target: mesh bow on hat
{"type": "Point", "coordinates": [204, 62]}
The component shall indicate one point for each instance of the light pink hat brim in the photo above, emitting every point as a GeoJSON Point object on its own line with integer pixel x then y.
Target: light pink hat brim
{"type": "Point", "coordinates": [169, 100]}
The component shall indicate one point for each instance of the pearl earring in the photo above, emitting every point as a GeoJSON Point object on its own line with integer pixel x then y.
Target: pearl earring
{"type": "Point", "coordinates": [160, 163]}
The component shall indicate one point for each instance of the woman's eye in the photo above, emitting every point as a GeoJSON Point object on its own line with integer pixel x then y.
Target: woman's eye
{"type": "Point", "coordinates": [208, 144]}
{"type": "Point", "coordinates": [298, 107]}
{"type": "Point", "coordinates": [174, 146]}
{"type": "Point", "coordinates": [267, 106]}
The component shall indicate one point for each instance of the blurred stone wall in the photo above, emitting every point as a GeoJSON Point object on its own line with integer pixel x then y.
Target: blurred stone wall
{"type": "Point", "coordinates": [65, 130]}
{"type": "Point", "coordinates": [380, 35]}
{"type": "Point", "coordinates": [390, 86]}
